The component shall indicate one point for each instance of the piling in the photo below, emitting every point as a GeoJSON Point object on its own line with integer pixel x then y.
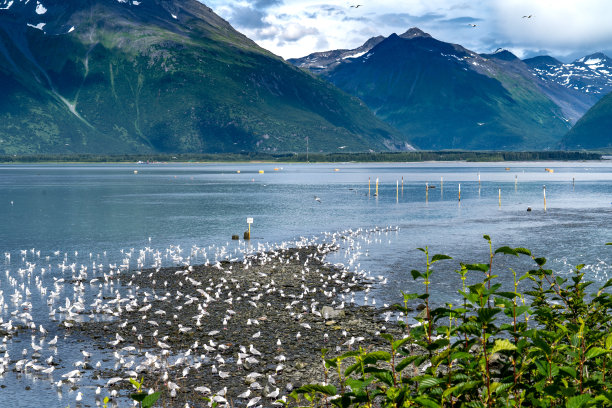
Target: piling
{"type": "Point", "coordinates": [402, 185]}
{"type": "Point", "coordinates": [499, 197]}
{"type": "Point", "coordinates": [544, 191]}
{"type": "Point", "coordinates": [515, 182]}
{"type": "Point", "coordinates": [459, 192]}
{"type": "Point", "coordinates": [376, 194]}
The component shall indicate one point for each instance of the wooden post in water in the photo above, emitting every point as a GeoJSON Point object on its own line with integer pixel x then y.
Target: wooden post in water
{"type": "Point", "coordinates": [544, 190]}
{"type": "Point", "coordinates": [402, 185]}
{"type": "Point", "coordinates": [499, 197]}
{"type": "Point", "coordinates": [376, 194]}
{"type": "Point", "coordinates": [573, 182]}
{"type": "Point", "coordinates": [459, 192]}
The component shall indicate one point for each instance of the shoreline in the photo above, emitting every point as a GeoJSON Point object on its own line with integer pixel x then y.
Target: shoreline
{"type": "Point", "coordinates": [214, 331]}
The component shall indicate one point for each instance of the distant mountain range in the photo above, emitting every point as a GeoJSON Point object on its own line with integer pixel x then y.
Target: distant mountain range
{"type": "Point", "coordinates": [127, 76]}
{"type": "Point", "coordinates": [442, 95]}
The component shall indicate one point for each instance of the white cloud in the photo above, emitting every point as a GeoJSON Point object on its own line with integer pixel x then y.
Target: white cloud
{"type": "Point", "coordinates": [295, 28]}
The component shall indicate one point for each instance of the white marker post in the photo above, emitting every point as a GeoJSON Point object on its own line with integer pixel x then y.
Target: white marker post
{"type": "Point", "coordinates": [247, 234]}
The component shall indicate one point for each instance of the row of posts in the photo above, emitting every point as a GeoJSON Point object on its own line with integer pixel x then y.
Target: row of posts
{"type": "Point", "coordinates": [397, 189]}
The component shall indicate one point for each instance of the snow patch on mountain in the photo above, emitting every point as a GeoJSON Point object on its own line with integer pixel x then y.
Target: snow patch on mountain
{"type": "Point", "coordinates": [38, 26]}
{"type": "Point", "coordinates": [40, 9]}
{"type": "Point", "coordinates": [7, 6]}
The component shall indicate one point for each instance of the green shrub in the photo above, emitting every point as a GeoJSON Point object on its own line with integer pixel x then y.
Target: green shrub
{"type": "Point", "coordinates": [546, 343]}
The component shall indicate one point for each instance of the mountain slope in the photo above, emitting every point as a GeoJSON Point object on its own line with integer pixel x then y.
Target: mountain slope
{"type": "Point", "coordinates": [594, 129]}
{"type": "Point", "coordinates": [444, 96]}
{"type": "Point", "coordinates": [590, 75]}
{"type": "Point", "coordinates": [112, 76]}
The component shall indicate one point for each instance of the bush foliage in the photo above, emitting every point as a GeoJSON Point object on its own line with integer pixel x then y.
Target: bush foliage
{"type": "Point", "coordinates": [547, 342]}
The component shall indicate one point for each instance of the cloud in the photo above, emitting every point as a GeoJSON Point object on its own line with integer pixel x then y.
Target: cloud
{"type": "Point", "coordinates": [248, 17]}
{"type": "Point", "coordinates": [261, 4]}
{"type": "Point", "coordinates": [562, 25]}
{"type": "Point", "coordinates": [295, 31]}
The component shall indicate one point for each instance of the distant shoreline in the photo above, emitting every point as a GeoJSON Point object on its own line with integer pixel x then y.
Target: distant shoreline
{"type": "Point", "coordinates": [369, 157]}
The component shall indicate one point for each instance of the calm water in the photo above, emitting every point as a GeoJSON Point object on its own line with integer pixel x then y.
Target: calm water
{"type": "Point", "coordinates": [96, 215]}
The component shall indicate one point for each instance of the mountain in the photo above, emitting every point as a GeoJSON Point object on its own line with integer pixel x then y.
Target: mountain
{"type": "Point", "coordinates": [127, 76]}
{"type": "Point", "coordinates": [443, 96]}
{"type": "Point", "coordinates": [320, 62]}
{"type": "Point", "coordinates": [590, 75]}
{"type": "Point", "coordinates": [594, 129]}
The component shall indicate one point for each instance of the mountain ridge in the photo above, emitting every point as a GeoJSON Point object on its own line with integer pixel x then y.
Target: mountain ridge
{"type": "Point", "coordinates": [162, 75]}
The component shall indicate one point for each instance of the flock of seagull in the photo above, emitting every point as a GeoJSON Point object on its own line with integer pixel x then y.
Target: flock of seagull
{"type": "Point", "coordinates": [106, 294]}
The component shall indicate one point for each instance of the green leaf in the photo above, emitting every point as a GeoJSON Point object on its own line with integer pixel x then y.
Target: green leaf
{"type": "Point", "coordinates": [570, 371]}
{"type": "Point", "coordinates": [135, 383]}
{"type": "Point", "coordinates": [609, 243]}
{"type": "Point", "coordinates": [416, 274]}
{"type": "Point", "coordinates": [478, 267]}
{"type": "Point", "coordinates": [609, 342]}
{"type": "Point", "coordinates": [578, 401]}
{"type": "Point", "coordinates": [399, 343]}
{"type": "Point", "coordinates": [349, 354]}
{"type": "Point", "coordinates": [439, 257]}
{"type": "Point", "coordinates": [138, 396]}
{"type": "Point", "coordinates": [488, 238]}
{"type": "Point", "coordinates": [373, 357]}
{"type": "Point", "coordinates": [426, 402]}
{"type": "Point", "coordinates": [523, 251]}
{"type": "Point", "coordinates": [502, 345]}
{"type": "Point", "coordinates": [150, 400]}
{"type": "Point", "coordinates": [540, 261]}
{"type": "Point", "coordinates": [594, 352]}
{"type": "Point", "coordinates": [344, 402]}
{"type": "Point", "coordinates": [506, 250]}
{"type": "Point", "coordinates": [429, 382]}
{"type": "Point", "coordinates": [323, 389]}
{"type": "Point", "coordinates": [405, 363]}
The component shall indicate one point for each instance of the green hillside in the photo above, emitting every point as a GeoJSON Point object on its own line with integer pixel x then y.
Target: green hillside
{"type": "Point", "coordinates": [135, 79]}
{"type": "Point", "coordinates": [594, 129]}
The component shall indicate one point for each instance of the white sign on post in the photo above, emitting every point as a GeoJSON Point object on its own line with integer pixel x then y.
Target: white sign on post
{"type": "Point", "coordinates": [249, 220]}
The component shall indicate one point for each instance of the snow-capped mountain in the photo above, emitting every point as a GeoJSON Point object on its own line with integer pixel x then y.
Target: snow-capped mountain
{"type": "Point", "coordinates": [591, 74]}
{"type": "Point", "coordinates": [444, 96]}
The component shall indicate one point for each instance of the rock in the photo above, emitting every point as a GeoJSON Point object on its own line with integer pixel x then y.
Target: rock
{"type": "Point", "coordinates": [289, 387]}
{"type": "Point", "coordinates": [300, 365]}
{"type": "Point", "coordinates": [420, 306]}
{"type": "Point", "coordinates": [329, 312]}
{"type": "Point", "coordinates": [330, 322]}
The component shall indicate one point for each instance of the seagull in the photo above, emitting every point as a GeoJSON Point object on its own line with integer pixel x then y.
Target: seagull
{"type": "Point", "coordinates": [529, 16]}
{"type": "Point", "coordinates": [357, 5]}
{"type": "Point", "coordinates": [472, 25]}
{"type": "Point", "coordinates": [317, 199]}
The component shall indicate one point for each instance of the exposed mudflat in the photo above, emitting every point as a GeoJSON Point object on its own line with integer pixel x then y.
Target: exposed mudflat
{"type": "Point", "coordinates": [253, 328]}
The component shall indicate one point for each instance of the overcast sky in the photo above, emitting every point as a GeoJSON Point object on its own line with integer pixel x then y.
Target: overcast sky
{"type": "Point", "coordinates": [565, 29]}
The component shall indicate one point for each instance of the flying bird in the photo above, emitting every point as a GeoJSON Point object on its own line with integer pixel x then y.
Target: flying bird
{"type": "Point", "coordinates": [357, 5]}
{"type": "Point", "coordinates": [317, 199]}
{"type": "Point", "coordinates": [472, 25]}
{"type": "Point", "coordinates": [529, 16]}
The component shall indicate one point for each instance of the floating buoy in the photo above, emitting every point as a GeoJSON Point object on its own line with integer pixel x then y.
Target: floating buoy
{"type": "Point", "coordinates": [507, 168]}
{"type": "Point", "coordinates": [549, 170]}
{"type": "Point", "coordinates": [238, 171]}
{"type": "Point", "coordinates": [276, 169]}
{"type": "Point", "coordinates": [261, 171]}
{"type": "Point", "coordinates": [135, 171]}
{"type": "Point", "coordinates": [336, 169]}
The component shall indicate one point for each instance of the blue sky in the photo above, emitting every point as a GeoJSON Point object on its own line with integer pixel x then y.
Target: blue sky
{"type": "Point", "coordinates": [566, 29]}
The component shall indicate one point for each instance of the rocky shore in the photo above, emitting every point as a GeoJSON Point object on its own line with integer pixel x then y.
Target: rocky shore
{"type": "Point", "coordinates": [241, 333]}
